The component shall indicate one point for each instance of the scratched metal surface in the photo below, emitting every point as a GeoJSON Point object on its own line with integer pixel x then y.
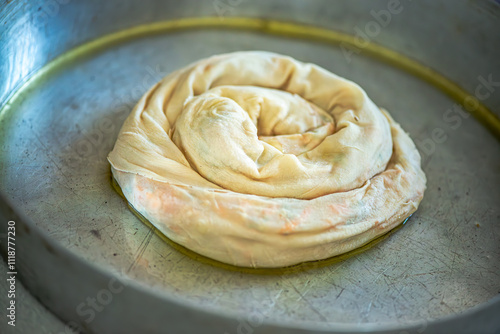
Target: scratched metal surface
{"type": "Point", "coordinates": [444, 261]}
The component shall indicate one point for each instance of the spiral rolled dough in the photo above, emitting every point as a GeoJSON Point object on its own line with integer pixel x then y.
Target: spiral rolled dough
{"type": "Point", "coordinates": [258, 160]}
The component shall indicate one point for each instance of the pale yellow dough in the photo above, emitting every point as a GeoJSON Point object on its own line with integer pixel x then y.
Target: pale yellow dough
{"type": "Point", "coordinates": [258, 160]}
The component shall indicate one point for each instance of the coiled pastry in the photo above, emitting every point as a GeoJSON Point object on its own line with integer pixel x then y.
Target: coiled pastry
{"type": "Point", "coordinates": [258, 160]}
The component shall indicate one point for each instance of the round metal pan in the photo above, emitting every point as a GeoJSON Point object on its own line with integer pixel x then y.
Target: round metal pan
{"type": "Point", "coordinates": [88, 258]}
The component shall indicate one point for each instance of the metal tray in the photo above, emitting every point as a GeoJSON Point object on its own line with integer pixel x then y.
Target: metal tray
{"type": "Point", "coordinates": [58, 129]}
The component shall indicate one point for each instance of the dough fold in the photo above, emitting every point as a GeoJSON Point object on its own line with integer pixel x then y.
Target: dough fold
{"type": "Point", "coordinates": [258, 160]}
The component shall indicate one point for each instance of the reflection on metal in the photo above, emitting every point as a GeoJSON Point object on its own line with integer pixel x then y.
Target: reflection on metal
{"type": "Point", "coordinates": [285, 29]}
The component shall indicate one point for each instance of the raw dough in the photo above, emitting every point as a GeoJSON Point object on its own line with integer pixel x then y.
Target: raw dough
{"type": "Point", "coordinates": [256, 159]}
